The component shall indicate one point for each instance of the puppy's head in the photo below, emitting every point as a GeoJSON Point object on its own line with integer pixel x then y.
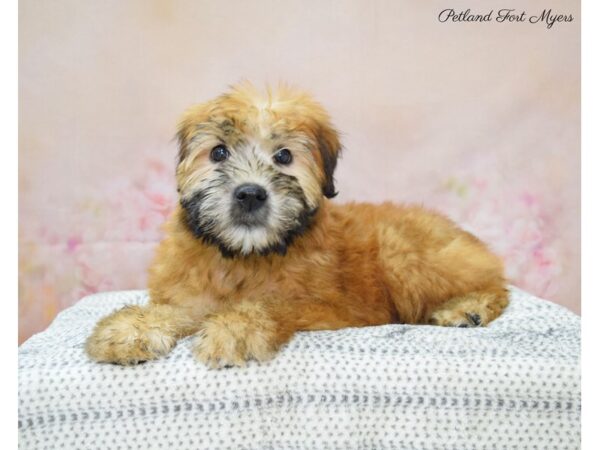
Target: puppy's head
{"type": "Point", "coordinates": [254, 168]}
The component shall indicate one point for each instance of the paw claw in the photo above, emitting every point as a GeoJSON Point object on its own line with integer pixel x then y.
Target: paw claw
{"type": "Point", "coordinates": [474, 318]}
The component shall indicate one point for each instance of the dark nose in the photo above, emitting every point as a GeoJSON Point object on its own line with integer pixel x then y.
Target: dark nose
{"type": "Point", "coordinates": [250, 196]}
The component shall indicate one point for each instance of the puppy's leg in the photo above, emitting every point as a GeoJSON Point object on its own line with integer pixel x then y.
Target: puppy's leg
{"type": "Point", "coordinates": [471, 310]}
{"type": "Point", "coordinates": [246, 331]}
{"type": "Point", "coordinates": [441, 274]}
{"type": "Point", "coordinates": [139, 333]}
{"type": "Point", "coordinates": [257, 329]}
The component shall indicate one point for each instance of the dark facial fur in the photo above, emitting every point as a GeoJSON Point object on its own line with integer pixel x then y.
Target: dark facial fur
{"type": "Point", "coordinates": [214, 226]}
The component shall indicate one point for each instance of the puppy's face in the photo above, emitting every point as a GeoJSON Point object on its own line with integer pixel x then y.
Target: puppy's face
{"type": "Point", "coordinates": [253, 169]}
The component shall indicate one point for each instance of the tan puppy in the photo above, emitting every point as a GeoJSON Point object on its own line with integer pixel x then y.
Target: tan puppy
{"type": "Point", "coordinates": [255, 252]}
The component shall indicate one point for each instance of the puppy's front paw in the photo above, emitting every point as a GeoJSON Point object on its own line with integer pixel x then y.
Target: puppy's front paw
{"type": "Point", "coordinates": [231, 339]}
{"type": "Point", "coordinates": [125, 337]}
{"type": "Point", "coordinates": [456, 318]}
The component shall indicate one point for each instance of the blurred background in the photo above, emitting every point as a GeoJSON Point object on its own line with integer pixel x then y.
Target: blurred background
{"type": "Point", "coordinates": [478, 120]}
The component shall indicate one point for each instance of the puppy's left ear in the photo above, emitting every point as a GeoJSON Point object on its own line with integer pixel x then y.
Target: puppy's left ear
{"type": "Point", "coordinates": [188, 123]}
{"type": "Point", "coordinates": [329, 148]}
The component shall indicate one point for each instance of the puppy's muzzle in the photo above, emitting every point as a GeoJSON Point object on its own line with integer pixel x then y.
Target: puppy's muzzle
{"type": "Point", "coordinates": [250, 197]}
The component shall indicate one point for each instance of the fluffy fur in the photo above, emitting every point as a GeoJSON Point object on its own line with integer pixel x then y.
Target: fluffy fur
{"type": "Point", "coordinates": [244, 283]}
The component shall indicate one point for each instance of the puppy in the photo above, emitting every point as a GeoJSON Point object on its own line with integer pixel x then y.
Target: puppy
{"type": "Point", "coordinates": [255, 251]}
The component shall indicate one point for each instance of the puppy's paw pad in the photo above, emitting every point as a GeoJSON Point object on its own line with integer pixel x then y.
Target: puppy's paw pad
{"type": "Point", "coordinates": [474, 318]}
{"type": "Point", "coordinates": [450, 318]}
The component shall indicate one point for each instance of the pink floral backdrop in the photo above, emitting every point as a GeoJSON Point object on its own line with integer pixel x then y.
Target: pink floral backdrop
{"type": "Point", "coordinates": [480, 122]}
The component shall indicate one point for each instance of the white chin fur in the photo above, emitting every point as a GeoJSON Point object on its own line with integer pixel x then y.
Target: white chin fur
{"type": "Point", "coordinates": [247, 240]}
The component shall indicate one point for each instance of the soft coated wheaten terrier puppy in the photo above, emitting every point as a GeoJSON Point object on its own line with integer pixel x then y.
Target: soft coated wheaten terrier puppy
{"type": "Point", "coordinates": [255, 252]}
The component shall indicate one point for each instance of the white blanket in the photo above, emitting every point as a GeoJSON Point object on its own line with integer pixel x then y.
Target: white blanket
{"type": "Point", "coordinates": [514, 384]}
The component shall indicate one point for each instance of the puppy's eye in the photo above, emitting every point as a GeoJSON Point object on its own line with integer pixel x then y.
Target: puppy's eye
{"type": "Point", "coordinates": [283, 156]}
{"type": "Point", "coordinates": [219, 153]}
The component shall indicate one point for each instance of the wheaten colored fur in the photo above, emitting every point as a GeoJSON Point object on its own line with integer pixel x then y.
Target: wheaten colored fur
{"type": "Point", "coordinates": [355, 265]}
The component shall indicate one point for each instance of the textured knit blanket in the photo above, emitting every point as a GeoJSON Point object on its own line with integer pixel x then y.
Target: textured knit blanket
{"type": "Point", "coordinates": [513, 385]}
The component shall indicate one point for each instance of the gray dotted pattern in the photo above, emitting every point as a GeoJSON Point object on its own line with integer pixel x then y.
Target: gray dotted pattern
{"type": "Point", "coordinates": [512, 385]}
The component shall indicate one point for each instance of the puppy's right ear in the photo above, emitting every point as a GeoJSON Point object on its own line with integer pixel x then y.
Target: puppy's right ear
{"type": "Point", "coordinates": [188, 126]}
{"type": "Point", "coordinates": [182, 141]}
{"type": "Point", "coordinates": [185, 129]}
